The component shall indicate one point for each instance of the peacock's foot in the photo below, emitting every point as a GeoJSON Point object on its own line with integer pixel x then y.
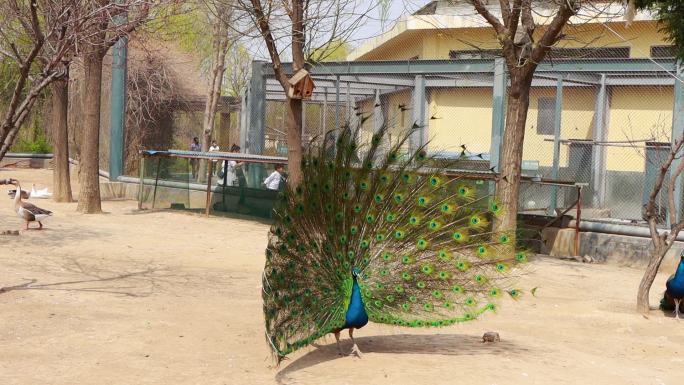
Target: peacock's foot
{"type": "Point", "coordinates": [356, 351]}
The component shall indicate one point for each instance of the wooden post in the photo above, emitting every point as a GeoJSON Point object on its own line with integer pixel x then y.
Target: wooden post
{"type": "Point", "coordinates": [210, 171]}
{"type": "Point", "coordinates": [578, 219]}
{"type": "Point", "coordinates": [141, 184]}
{"type": "Point", "coordinates": [156, 182]}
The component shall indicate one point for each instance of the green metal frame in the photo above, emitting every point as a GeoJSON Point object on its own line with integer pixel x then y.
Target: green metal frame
{"type": "Point", "coordinates": [118, 102]}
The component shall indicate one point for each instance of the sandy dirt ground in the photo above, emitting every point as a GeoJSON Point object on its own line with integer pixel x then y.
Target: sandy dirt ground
{"type": "Point", "coordinates": [171, 298]}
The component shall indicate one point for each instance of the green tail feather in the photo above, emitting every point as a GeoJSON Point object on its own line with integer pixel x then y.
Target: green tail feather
{"type": "Point", "coordinates": [422, 242]}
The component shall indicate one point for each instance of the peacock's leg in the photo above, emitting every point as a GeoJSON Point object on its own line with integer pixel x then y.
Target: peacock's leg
{"type": "Point", "coordinates": [337, 339]}
{"type": "Point", "coordinates": [355, 347]}
{"type": "Point", "coordinates": [677, 302]}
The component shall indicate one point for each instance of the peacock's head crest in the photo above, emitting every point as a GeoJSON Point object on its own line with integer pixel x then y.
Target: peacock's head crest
{"type": "Point", "coordinates": [356, 272]}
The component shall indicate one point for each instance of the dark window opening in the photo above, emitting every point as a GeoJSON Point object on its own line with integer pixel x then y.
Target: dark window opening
{"type": "Point", "coordinates": [663, 51]}
{"type": "Point", "coordinates": [589, 53]}
{"type": "Point", "coordinates": [474, 54]}
{"type": "Point", "coordinates": [546, 112]}
{"type": "Point", "coordinates": [555, 53]}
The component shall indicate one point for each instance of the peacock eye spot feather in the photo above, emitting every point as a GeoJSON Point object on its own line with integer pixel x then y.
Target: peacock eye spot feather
{"type": "Point", "coordinates": [390, 298]}
{"type": "Point", "coordinates": [339, 216]}
{"type": "Point", "coordinates": [328, 207]}
{"type": "Point", "coordinates": [343, 239]}
{"type": "Point", "coordinates": [384, 178]}
{"type": "Point", "coordinates": [504, 239]}
{"type": "Point", "coordinates": [413, 299]}
{"type": "Point", "coordinates": [399, 234]}
{"type": "Point", "coordinates": [462, 265]}
{"type": "Point", "coordinates": [434, 225]}
{"type": "Point", "coordinates": [407, 259]}
{"type": "Point", "coordinates": [370, 218]}
{"type": "Point", "coordinates": [491, 307]}
{"type": "Point", "coordinates": [443, 275]}
{"type": "Point", "coordinates": [435, 181]}
{"type": "Point", "coordinates": [428, 307]}
{"type": "Point", "coordinates": [365, 244]}
{"type": "Point", "coordinates": [379, 237]}
{"type": "Point", "coordinates": [420, 285]}
{"type": "Point", "coordinates": [386, 256]}
{"type": "Point", "coordinates": [378, 198]}
{"type": "Point", "coordinates": [479, 278]}
{"type": "Point", "coordinates": [364, 185]}
{"type": "Point", "coordinates": [500, 267]}
{"type": "Point", "coordinates": [422, 244]}
{"type": "Point", "coordinates": [494, 292]}
{"type": "Point", "coordinates": [399, 289]}
{"type": "Point", "coordinates": [481, 250]}
{"type": "Point", "coordinates": [446, 208]}
{"type": "Point", "coordinates": [353, 230]}
{"type": "Point", "coordinates": [520, 257]}
{"type": "Point", "coordinates": [391, 217]}
{"type": "Point", "coordinates": [368, 165]}
{"type": "Point", "coordinates": [470, 301]}
{"type": "Point", "coordinates": [350, 254]}
{"type": "Point", "coordinates": [346, 196]}
{"type": "Point", "coordinates": [377, 303]}
{"type": "Point", "coordinates": [426, 269]}
{"type": "Point", "coordinates": [406, 306]}
{"type": "Point", "coordinates": [406, 276]}
{"type": "Point", "coordinates": [422, 201]}
{"type": "Point", "coordinates": [444, 255]}
{"type": "Point", "coordinates": [357, 208]}
{"type": "Point", "coordinates": [457, 289]}
{"type": "Point", "coordinates": [384, 272]}
{"type": "Point", "coordinates": [437, 294]}
{"type": "Point", "coordinates": [474, 220]}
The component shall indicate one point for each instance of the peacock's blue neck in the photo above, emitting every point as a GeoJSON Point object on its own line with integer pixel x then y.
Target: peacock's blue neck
{"type": "Point", "coordinates": [675, 285]}
{"type": "Point", "coordinates": [356, 316]}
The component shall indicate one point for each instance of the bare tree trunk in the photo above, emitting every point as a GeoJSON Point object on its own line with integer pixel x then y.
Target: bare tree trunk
{"type": "Point", "coordinates": [89, 178]}
{"type": "Point", "coordinates": [294, 141]}
{"type": "Point", "coordinates": [657, 256]}
{"type": "Point", "coordinates": [218, 65]}
{"type": "Point", "coordinates": [512, 151]}
{"type": "Point", "coordinates": [61, 180]}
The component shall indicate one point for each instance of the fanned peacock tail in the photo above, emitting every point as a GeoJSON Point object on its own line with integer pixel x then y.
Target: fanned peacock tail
{"type": "Point", "coordinates": [421, 240]}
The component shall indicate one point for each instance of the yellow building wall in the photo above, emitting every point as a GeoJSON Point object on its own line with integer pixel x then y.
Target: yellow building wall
{"type": "Point", "coordinates": [637, 113]}
{"type": "Point", "coordinates": [436, 43]}
{"type": "Point", "coordinates": [460, 117]}
{"type": "Point", "coordinates": [464, 116]}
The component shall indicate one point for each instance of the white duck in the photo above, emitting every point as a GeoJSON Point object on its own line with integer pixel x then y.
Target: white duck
{"type": "Point", "coordinates": [27, 211]}
{"type": "Point", "coordinates": [40, 194]}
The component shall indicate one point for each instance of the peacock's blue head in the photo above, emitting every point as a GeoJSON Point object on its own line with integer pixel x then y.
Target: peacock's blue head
{"type": "Point", "coordinates": [356, 272]}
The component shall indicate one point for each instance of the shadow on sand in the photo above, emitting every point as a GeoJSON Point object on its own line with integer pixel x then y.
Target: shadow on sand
{"type": "Point", "coordinates": [440, 344]}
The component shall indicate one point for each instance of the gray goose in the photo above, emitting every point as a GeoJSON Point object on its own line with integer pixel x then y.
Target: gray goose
{"type": "Point", "coordinates": [28, 211]}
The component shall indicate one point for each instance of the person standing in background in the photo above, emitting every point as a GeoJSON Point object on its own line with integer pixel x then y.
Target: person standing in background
{"type": "Point", "coordinates": [273, 180]}
{"type": "Point", "coordinates": [194, 163]}
{"type": "Point", "coordinates": [214, 148]}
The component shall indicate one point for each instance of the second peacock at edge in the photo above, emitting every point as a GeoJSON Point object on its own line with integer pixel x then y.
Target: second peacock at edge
{"type": "Point", "coordinates": [378, 233]}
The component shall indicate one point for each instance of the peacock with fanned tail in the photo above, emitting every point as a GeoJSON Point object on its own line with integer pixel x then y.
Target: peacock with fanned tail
{"type": "Point", "coordinates": [377, 233]}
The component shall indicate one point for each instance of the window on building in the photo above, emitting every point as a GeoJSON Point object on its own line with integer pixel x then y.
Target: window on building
{"type": "Point", "coordinates": [555, 53]}
{"type": "Point", "coordinates": [589, 53]}
{"type": "Point", "coordinates": [546, 111]}
{"type": "Point", "coordinates": [663, 51]}
{"type": "Point", "coordinates": [474, 54]}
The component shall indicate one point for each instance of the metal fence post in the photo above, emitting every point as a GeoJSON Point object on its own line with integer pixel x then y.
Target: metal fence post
{"type": "Point", "coordinates": [556, 145]}
{"type": "Point", "coordinates": [118, 102]}
{"type": "Point", "coordinates": [417, 138]}
{"type": "Point", "coordinates": [677, 131]}
{"type": "Point", "coordinates": [498, 115]}
{"type": "Point", "coordinates": [598, 151]}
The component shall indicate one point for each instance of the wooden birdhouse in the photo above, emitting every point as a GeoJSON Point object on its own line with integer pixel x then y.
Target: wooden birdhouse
{"type": "Point", "coordinates": [301, 85]}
